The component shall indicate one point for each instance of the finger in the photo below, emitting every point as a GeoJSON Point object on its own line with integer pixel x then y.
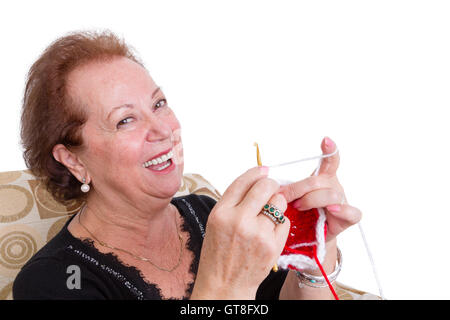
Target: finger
{"type": "Point", "coordinates": [258, 195]}
{"type": "Point", "coordinates": [329, 165]}
{"type": "Point", "coordinates": [344, 214]}
{"type": "Point", "coordinates": [278, 201]}
{"type": "Point", "coordinates": [298, 189]}
{"type": "Point", "coordinates": [234, 194]}
{"type": "Point", "coordinates": [281, 235]}
{"type": "Point", "coordinates": [318, 199]}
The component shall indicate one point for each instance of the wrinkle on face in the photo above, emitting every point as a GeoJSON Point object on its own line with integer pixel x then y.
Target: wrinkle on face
{"type": "Point", "coordinates": [115, 156]}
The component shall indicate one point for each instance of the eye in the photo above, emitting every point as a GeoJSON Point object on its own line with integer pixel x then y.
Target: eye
{"type": "Point", "coordinates": [124, 121]}
{"type": "Point", "coordinates": [161, 103]}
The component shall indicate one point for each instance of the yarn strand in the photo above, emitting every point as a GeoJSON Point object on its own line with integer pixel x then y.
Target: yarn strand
{"type": "Point", "coordinates": [316, 172]}
{"type": "Point", "coordinates": [324, 274]}
{"type": "Point", "coordinates": [366, 244]}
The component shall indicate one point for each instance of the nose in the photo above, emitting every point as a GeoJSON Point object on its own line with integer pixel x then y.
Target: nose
{"type": "Point", "coordinates": [157, 130]}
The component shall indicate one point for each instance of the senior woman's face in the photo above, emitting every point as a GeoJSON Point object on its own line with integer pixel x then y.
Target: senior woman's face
{"type": "Point", "coordinates": [129, 124]}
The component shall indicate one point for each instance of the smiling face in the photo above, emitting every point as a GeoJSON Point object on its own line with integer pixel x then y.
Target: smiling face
{"type": "Point", "coordinates": [129, 123]}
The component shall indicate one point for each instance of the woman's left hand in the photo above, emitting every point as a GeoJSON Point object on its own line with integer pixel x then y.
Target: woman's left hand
{"type": "Point", "coordinates": [324, 191]}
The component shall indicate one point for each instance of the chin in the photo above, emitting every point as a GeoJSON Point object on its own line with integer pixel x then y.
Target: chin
{"type": "Point", "coordinates": [172, 186]}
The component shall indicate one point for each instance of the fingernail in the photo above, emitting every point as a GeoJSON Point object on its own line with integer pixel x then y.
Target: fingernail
{"type": "Point", "coordinates": [329, 143]}
{"type": "Point", "coordinates": [296, 204]}
{"type": "Point", "coordinates": [334, 208]}
{"type": "Point", "coordinates": [264, 170]}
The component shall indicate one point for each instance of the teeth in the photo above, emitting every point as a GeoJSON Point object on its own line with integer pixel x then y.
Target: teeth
{"type": "Point", "coordinates": [159, 160]}
{"type": "Point", "coordinates": [163, 167]}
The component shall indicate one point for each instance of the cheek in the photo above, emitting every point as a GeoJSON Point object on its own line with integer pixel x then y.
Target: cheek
{"type": "Point", "coordinates": [104, 150]}
{"type": "Point", "coordinates": [177, 143]}
{"type": "Point", "coordinates": [172, 121]}
{"type": "Point", "coordinates": [116, 153]}
{"type": "Point", "coordinates": [126, 151]}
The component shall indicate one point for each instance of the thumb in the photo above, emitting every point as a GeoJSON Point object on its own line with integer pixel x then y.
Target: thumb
{"type": "Point", "coordinates": [329, 165]}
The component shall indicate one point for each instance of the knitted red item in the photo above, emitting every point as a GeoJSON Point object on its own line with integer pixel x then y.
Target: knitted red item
{"type": "Point", "coordinates": [305, 245]}
{"type": "Point", "coordinates": [306, 236]}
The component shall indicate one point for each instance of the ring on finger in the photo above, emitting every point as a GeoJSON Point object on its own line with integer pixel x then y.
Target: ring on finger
{"type": "Point", "coordinates": [272, 211]}
{"type": "Point", "coordinates": [271, 217]}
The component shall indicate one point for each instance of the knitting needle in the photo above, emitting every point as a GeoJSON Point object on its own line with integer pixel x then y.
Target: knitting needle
{"type": "Point", "coordinates": [258, 159]}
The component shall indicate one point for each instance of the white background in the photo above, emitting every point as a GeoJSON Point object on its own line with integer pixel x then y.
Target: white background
{"type": "Point", "coordinates": [372, 75]}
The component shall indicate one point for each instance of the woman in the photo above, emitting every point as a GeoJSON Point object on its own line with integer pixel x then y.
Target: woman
{"type": "Point", "coordinates": [96, 127]}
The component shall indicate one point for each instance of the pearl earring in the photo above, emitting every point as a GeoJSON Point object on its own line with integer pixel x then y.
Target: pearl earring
{"type": "Point", "coordinates": [85, 187]}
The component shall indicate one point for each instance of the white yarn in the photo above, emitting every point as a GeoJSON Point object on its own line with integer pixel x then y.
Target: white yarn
{"type": "Point", "coordinates": [366, 244]}
{"type": "Point", "coordinates": [301, 261]}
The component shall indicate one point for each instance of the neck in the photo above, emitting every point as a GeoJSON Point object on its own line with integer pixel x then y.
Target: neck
{"type": "Point", "coordinates": [121, 222]}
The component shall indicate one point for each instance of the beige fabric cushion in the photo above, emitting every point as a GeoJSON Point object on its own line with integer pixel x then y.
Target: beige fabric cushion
{"type": "Point", "coordinates": [29, 217]}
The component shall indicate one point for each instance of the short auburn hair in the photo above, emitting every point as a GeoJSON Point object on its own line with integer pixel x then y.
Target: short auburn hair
{"type": "Point", "coordinates": [50, 116]}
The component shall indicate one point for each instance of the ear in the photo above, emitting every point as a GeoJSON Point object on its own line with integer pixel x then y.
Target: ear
{"type": "Point", "coordinates": [71, 161]}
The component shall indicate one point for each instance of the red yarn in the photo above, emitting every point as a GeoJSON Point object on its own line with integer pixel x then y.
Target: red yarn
{"type": "Point", "coordinates": [325, 276]}
{"type": "Point", "coordinates": [303, 231]}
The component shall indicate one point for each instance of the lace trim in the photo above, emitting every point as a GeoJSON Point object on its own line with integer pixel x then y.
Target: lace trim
{"type": "Point", "coordinates": [192, 211]}
{"type": "Point", "coordinates": [193, 246]}
{"type": "Point", "coordinates": [121, 278]}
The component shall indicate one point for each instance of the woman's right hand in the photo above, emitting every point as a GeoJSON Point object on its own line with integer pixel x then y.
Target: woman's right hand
{"type": "Point", "coordinates": [241, 245]}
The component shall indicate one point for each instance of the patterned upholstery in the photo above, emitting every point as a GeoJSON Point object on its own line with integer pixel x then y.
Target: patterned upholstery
{"type": "Point", "coordinates": [29, 217]}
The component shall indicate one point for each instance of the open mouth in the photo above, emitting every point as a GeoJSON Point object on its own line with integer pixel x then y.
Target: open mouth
{"type": "Point", "coordinates": [162, 166]}
{"type": "Point", "coordinates": [160, 163]}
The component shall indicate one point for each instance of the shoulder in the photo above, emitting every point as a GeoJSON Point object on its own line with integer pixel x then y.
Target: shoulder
{"type": "Point", "coordinates": [203, 201]}
{"type": "Point", "coordinates": [52, 278]}
{"type": "Point", "coordinates": [195, 209]}
{"type": "Point", "coordinates": [201, 204]}
{"type": "Point", "coordinates": [54, 272]}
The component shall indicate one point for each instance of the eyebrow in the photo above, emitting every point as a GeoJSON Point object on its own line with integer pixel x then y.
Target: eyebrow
{"type": "Point", "coordinates": [130, 106]}
{"type": "Point", "coordinates": [156, 91]}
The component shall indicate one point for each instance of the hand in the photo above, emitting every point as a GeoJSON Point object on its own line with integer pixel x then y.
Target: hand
{"type": "Point", "coordinates": [324, 191]}
{"type": "Point", "coordinates": [241, 245]}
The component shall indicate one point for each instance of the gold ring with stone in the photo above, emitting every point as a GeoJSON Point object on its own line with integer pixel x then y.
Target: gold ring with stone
{"type": "Point", "coordinates": [273, 211]}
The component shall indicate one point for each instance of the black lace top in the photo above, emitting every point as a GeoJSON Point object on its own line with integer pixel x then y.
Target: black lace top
{"type": "Point", "coordinates": [51, 272]}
